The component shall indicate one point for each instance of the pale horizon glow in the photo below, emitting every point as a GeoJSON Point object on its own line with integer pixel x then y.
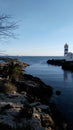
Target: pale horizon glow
{"type": "Point", "coordinates": [44, 27]}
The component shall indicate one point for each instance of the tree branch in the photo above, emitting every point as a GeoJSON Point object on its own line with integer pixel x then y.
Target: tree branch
{"type": "Point", "coordinates": [6, 26]}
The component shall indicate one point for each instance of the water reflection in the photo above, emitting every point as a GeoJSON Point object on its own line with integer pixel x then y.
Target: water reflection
{"type": "Point", "coordinates": [68, 75]}
{"type": "Point", "coordinates": [72, 75]}
{"type": "Point", "coordinates": [65, 75]}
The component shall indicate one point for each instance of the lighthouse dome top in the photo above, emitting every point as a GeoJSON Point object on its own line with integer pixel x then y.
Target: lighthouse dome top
{"type": "Point", "coordinates": [66, 45]}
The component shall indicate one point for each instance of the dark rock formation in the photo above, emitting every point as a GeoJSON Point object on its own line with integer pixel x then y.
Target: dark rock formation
{"type": "Point", "coordinates": [58, 92]}
{"type": "Point", "coordinates": [66, 65]}
{"type": "Point", "coordinates": [35, 88]}
{"type": "Point", "coordinates": [56, 62]}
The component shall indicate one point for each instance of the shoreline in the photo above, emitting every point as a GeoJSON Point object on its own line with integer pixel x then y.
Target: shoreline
{"type": "Point", "coordinates": [35, 101]}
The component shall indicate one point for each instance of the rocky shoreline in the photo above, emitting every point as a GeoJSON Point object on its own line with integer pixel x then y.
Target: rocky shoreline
{"type": "Point", "coordinates": [26, 105]}
{"type": "Point", "coordinates": [66, 65]}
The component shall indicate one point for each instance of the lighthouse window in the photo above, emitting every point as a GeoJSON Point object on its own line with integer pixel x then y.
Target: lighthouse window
{"type": "Point", "coordinates": [66, 49]}
{"type": "Point", "coordinates": [65, 52]}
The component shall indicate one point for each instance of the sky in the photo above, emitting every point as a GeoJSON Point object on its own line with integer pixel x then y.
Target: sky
{"type": "Point", "coordinates": [44, 26]}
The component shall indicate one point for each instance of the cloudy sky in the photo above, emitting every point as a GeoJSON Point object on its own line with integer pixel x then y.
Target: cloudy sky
{"type": "Point", "coordinates": [44, 27]}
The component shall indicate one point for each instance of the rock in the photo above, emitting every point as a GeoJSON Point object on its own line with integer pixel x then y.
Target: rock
{"type": "Point", "coordinates": [56, 62]}
{"type": "Point", "coordinates": [58, 92]}
{"type": "Point", "coordinates": [66, 65]}
{"type": "Point", "coordinates": [34, 104]}
{"type": "Point", "coordinates": [27, 116]}
{"type": "Point", "coordinates": [35, 88]}
{"type": "Point", "coordinates": [47, 121]}
{"type": "Point", "coordinates": [26, 112]}
{"type": "Point", "coordinates": [36, 115]}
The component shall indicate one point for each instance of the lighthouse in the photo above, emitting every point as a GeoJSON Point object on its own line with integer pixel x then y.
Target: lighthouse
{"type": "Point", "coordinates": [65, 49]}
{"type": "Point", "coordinates": [68, 56]}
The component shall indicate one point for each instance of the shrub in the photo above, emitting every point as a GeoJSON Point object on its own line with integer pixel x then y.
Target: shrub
{"type": "Point", "coordinates": [12, 71]}
{"type": "Point", "coordinates": [10, 88]}
{"type": "Point", "coordinates": [7, 87]}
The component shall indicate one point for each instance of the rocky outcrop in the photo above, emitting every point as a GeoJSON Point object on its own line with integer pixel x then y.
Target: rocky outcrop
{"type": "Point", "coordinates": [56, 62]}
{"type": "Point", "coordinates": [7, 61]}
{"type": "Point", "coordinates": [66, 65]}
{"type": "Point", "coordinates": [16, 112]}
{"type": "Point", "coordinates": [27, 106]}
{"type": "Point", "coordinates": [35, 88]}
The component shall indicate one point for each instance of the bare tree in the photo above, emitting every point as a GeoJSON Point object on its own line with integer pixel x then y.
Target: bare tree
{"type": "Point", "coordinates": [7, 26]}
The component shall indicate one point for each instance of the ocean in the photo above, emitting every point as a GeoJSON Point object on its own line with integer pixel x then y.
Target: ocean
{"type": "Point", "coordinates": [57, 78]}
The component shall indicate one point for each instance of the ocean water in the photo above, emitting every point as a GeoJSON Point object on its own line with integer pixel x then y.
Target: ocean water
{"type": "Point", "coordinates": [57, 78]}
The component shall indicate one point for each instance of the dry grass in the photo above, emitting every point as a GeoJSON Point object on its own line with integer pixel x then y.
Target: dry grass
{"type": "Point", "coordinates": [7, 87]}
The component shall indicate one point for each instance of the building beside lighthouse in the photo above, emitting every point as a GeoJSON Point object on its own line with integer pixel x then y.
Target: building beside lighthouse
{"type": "Point", "coordinates": [67, 55]}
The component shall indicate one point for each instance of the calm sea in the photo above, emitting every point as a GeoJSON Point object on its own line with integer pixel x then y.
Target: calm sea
{"type": "Point", "coordinates": [57, 78]}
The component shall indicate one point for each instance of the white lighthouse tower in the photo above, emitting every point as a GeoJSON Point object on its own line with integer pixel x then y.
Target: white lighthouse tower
{"type": "Point", "coordinates": [66, 49]}
{"type": "Point", "coordinates": [68, 56]}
